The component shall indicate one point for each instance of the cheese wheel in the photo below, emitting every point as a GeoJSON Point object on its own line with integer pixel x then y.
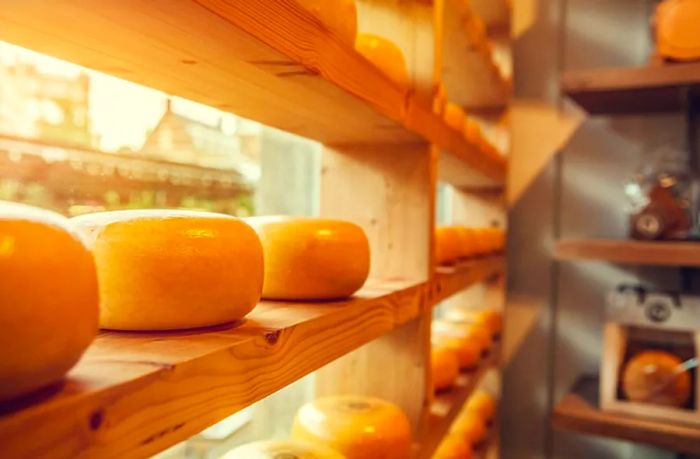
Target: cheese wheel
{"type": "Point", "coordinates": [467, 245]}
{"type": "Point", "coordinates": [471, 427]}
{"type": "Point", "coordinates": [385, 55]}
{"type": "Point", "coordinates": [444, 367]}
{"type": "Point", "coordinates": [475, 333]}
{"type": "Point", "coordinates": [453, 447]}
{"type": "Point", "coordinates": [677, 33]}
{"type": "Point", "coordinates": [311, 259]}
{"type": "Point", "coordinates": [356, 426]}
{"type": "Point", "coordinates": [282, 449]}
{"type": "Point", "coordinates": [482, 403]}
{"type": "Point", "coordinates": [340, 16]}
{"type": "Point", "coordinates": [468, 350]}
{"type": "Point", "coordinates": [489, 319]}
{"type": "Point", "coordinates": [454, 116]}
{"type": "Point", "coordinates": [656, 377]}
{"type": "Point", "coordinates": [447, 244]}
{"type": "Point", "coordinates": [48, 298]}
{"type": "Point", "coordinates": [166, 269]}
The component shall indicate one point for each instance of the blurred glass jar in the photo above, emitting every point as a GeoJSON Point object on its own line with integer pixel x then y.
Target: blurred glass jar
{"type": "Point", "coordinates": [662, 197]}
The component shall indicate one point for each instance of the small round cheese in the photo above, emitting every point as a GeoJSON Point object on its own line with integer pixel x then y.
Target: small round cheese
{"type": "Point", "coordinates": [468, 350]}
{"type": "Point", "coordinates": [311, 258]}
{"type": "Point", "coordinates": [453, 447]}
{"type": "Point", "coordinates": [340, 16]}
{"type": "Point", "coordinates": [656, 377]}
{"type": "Point", "coordinates": [166, 269]}
{"type": "Point", "coordinates": [489, 319]}
{"type": "Point", "coordinates": [385, 55]}
{"type": "Point", "coordinates": [444, 367]}
{"type": "Point", "coordinates": [470, 426]}
{"type": "Point", "coordinates": [48, 298]}
{"type": "Point", "coordinates": [482, 403]}
{"type": "Point", "coordinates": [282, 449]}
{"type": "Point", "coordinates": [475, 333]}
{"type": "Point", "coordinates": [356, 426]}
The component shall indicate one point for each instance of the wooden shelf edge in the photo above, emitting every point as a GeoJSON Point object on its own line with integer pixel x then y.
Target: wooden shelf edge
{"type": "Point", "coordinates": [656, 253]}
{"type": "Point", "coordinates": [449, 280]}
{"type": "Point", "coordinates": [656, 88]}
{"type": "Point", "coordinates": [578, 412]}
{"type": "Point", "coordinates": [447, 405]}
{"type": "Point", "coordinates": [136, 394]}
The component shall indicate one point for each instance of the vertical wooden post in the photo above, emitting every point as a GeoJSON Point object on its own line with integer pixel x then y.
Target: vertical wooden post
{"type": "Point", "coordinates": [390, 192]}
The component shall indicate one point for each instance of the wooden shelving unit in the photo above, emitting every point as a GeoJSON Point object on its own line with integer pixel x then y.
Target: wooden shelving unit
{"type": "Point", "coordinates": [630, 252]}
{"type": "Point", "coordinates": [659, 88]}
{"type": "Point", "coordinates": [135, 394]}
{"type": "Point", "coordinates": [271, 61]}
{"type": "Point", "coordinates": [447, 405]}
{"type": "Point", "coordinates": [578, 412]}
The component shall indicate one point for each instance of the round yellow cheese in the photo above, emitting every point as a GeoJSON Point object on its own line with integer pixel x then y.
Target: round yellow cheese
{"type": "Point", "coordinates": [453, 447]}
{"type": "Point", "coordinates": [677, 35]}
{"type": "Point", "coordinates": [489, 319]}
{"type": "Point", "coordinates": [166, 269]}
{"type": "Point", "coordinates": [356, 426]}
{"type": "Point", "coordinates": [282, 449]}
{"type": "Point", "coordinates": [340, 16]}
{"type": "Point", "coordinates": [385, 55]}
{"type": "Point", "coordinates": [482, 403]}
{"type": "Point", "coordinates": [467, 245]}
{"type": "Point", "coordinates": [444, 367]}
{"type": "Point", "coordinates": [447, 244]}
{"type": "Point", "coordinates": [470, 426]}
{"type": "Point", "coordinates": [468, 349]}
{"type": "Point", "coordinates": [48, 298]}
{"type": "Point", "coordinates": [475, 333]}
{"type": "Point", "coordinates": [657, 377]}
{"type": "Point", "coordinates": [311, 259]}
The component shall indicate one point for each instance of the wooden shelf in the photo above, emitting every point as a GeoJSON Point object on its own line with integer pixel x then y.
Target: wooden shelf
{"type": "Point", "coordinates": [632, 90]}
{"type": "Point", "coordinates": [270, 61]}
{"type": "Point", "coordinates": [447, 405]}
{"type": "Point", "coordinates": [134, 394]}
{"type": "Point", "coordinates": [578, 412]}
{"type": "Point", "coordinates": [449, 280]}
{"type": "Point", "coordinates": [630, 252]}
{"type": "Point", "coordinates": [470, 75]}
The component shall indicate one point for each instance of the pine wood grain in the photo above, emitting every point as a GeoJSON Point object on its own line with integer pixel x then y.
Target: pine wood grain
{"type": "Point", "coordinates": [578, 412]}
{"type": "Point", "coordinates": [630, 252]}
{"type": "Point", "coordinates": [450, 280]}
{"type": "Point", "coordinates": [657, 88]}
{"type": "Point", "coordinates": [270, 61]}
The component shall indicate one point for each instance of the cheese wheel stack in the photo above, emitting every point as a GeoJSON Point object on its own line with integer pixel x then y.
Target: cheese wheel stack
{"type": "Point", "coordinates": [340, 16]}
{"type": "Point", "coordinates": [166, 269]}
{"type": "Point", "coordinates": [310, 258]}
{"type": "Point", "coordinates": [357, 427]}
{"type": "Point", "coordinates": [48, 298]}
{"type": "Point", "coordinates": [444, 362]}
{"type": "Point", "coordinates": [280, 449]}
{"type": "Point", "coordinates": [385, 55]}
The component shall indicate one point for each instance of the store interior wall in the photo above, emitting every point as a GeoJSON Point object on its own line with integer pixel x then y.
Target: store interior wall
{"type": "Point", "coordinates": [578, 193]}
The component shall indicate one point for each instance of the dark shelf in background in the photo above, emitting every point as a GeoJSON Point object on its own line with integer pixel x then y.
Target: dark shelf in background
{"type": "Point", "coordinates": [629, 90]}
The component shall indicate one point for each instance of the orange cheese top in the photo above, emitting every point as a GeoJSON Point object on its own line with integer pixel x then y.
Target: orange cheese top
{"type": "Point", "coordinates": [677, 32]}
{"type": "Point", "coordinates": [468, 350]}
{"type": "Point", "coordinates": [385, 55]}
{"type": "Point", "coordinates": [482, 403]}
{"type": "Point", "coordinates": [470, 426]}
{"type": "Point", "coordinates": [48, 298]}
{"type": "Point", "coordinates": [444, 367]}
{"type": "Point", "coordinates": [340, 16]}
{"type": "Point", "coordinates": [357, 427]}
{"type": "Point", "coordinates": [656, 377]}
{"type": "Point", "coordinates": [282, 449]}
{"type": "Point", "coordinates": [453, 447]}
{"type": "Point", "coordinates": [165, 269]}
{"type": "Point", "coordinates": [475, 333]}
{"type": "Point", "coordinates": [312, 258]}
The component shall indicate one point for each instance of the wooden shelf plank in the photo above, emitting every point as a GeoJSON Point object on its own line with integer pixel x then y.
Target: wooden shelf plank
{"type": "Point", "coordinates": [578, 412]}
{"type": "Point", "coordinates": [134, 394]}
{"type": "Point", "coordinates": [269, 61]}
{"type": "Point", "coordinates": [630, 252]}
{"type": "Point", "coordinates": [449, 280]}
{"type": "Point", "coordinates": [657, 88]}
{"type": "Point", "coordinates": [447, 405]}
